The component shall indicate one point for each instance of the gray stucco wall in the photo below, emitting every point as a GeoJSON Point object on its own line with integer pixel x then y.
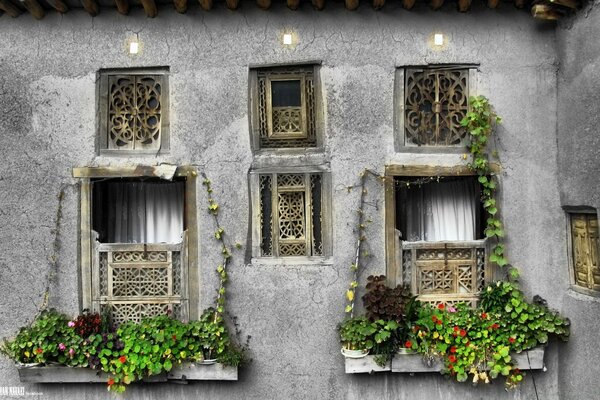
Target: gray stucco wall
{"type": "Point", "coordinates": [579, 178]}
{"type": "Point", "coordinates": [47, 127]}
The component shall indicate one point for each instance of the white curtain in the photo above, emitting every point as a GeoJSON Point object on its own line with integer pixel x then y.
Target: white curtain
{"type": "Point", "coordinates": [144, 212]}
{"type": "Point", "coordinates": [445, 210]}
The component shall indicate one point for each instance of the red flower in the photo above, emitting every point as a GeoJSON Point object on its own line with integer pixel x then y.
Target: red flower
{"type": "Point", "coordinates": [517, 371]}
{"type": "Point", "coordinates": [441, 306]}
{"type": "Point", "coordinates": [408, 344]}
{"type": "Point", "coordinates": [512, 339]}
{"type": "Point", "coordinates": [453, 349]}
{"type": "Point", "coordinates": [174, 337]}
{"type": "Point", "coordinates": [452, 358]}
{"type": "Point", "coordinates": [39, 350]}
{"type": "Point", "coordinates": [463, 333]}
{"type": "Point", "coordinates": [483, 315]}
{"type": "Point", "coordinates": [468, 343]}
{"type": "Point", "coordinates": [495, 326]}
{"type": "Point", "coordinates": [456, 328]}
{"type": "Point", "coordinates": [122, 359]}
{"type": "Point", "coordinates": [111, 381]}
{"type": "Point", "coordinates": [434, 318]}
{"type": "Point", "coordinates": [439, 322]}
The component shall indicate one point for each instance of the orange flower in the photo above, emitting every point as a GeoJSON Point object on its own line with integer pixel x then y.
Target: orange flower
{"type": "Point", "coordinates": [39, 350]}
{"type": "Point", "coordinates": [122, 359]}
{"type": "Point", "coordinates": [483, 315]}
{"type": "Point", "coordinates": [512, 339]}
{"type": "Point", "coordinates": [441, 306]}
{"type": "Point", "coordinates": [111, 381]}
{"type": "Point", "coordinates": [408, 344]}
{"type": "Point", "coordinates": [452, 358]}
{"type": "Point", "coordinates": [463, 333]}
{"type": "Point", "coordinates": [453, 349]}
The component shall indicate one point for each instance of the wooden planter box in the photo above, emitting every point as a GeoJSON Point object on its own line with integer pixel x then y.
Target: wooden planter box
{"type": "Point", "coordinates": [526, 360]}
{"type": "Point", "coordinates": [184, 372]}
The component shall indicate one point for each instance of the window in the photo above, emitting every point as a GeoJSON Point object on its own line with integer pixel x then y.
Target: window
{"type": "Point", "coordinates": [134, 111]}
{"type": "Point", "coordinates": [284, 107]}
{"type": "Point", "coordinates": [291, 214]}
{"type": "Point", "coordinates": [584, 249]}
{"type": "Point", "coordinates": [436, 242]}
{"type": "Point", "coordinates": [138, 251]}
{"type": "Point", "coordinates": [435, 100]}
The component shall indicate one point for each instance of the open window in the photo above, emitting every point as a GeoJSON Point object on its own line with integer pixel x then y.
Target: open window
{"type": "Point", "coordinates": [136, 227]}
{"type": "Point", "coordinates": [436, 242]}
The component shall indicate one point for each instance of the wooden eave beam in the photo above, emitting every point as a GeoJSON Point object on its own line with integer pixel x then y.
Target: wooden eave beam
{"type": "Point", "coordinates": [408, 4]}
{"type": "Point", "coordinates": [10, 8]}
{"type": "Point", "coordinates": [464, 5]}
{"type": "Point", "coordinates": [318, 4]}
{"type": "Point", "coordinates": [493, 3]}
{"type": "Point", "coordinates": [378, 4]}
{"type": "Point", "coordinates": [263, 4]}
{"type": "Point", "coordinates": [122, 6]}
{"type": "Point", "coordinates": [232, 4]}
{"type": "Point", "coordinates": [149, 8]}
{"type": "Point", "coordinates": [91, 7]}
{"type": "Point", "coordinates": [206, 5]}
{"type": "Point", "coordinates": [436, 4]}
{"type": "Point", "coordinates": [352, 5]}
{"type": "Point", "coordinates": [520, 3]}
{"type": "Point", "coordinates": [34, 8]}
{"type": "Point", "coordinates": [58, 5]}
{"type": "Point", "coordinates": [566, 3]}
{"type": "Point", "coordinates": [293, 4]}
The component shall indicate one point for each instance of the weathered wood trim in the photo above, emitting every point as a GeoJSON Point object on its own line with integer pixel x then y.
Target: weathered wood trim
{"type": "Point", "coordinates": [393, 265]}
{"type": "Point", "coordinates": [158, 171]}
{"type": "Point", "coordinates": [398, 104]}
{"type": "Point", "coordinates": [434, 170]}
{"type": "Point", "coordinates": [185, 371]}
{"type": "Point", "coordinates": [263, 4]}
{"type": "Point", "coordinates": [206, 5]}
{"type": "Point", "coordinates": [191, 215]}
{"type": "Point", "coordinates": [352, 5]}
{"type": "Point", "coordinates": [464, 6]}
{"type": "Point", "coordinates": [327, 214]}
{"type": "Point", "coordinates": [150, 9]}
{"type": "Point", "coordinates": [318, 4]}
{"type": "Point", "coordinates": [408, 4]}
{"type": "Point", "coordinates": [10, 8]}
{"type": "Point", "coordinates": [122, 6]}
{"type": "Point", "coordinates": [85, 244]}
{"type": "Point", "coordinates": [180, 6]}
{"type": "Point", "coordinates": [58, 5]}
{"type": "Point", "coordinates": [293, 4]}
{"type": "Point", "coordinates": [34, 8]}
{"type": "Point", "coordinates": [254, 189]}
{"type": "Point", "coordinates": [91, 7]}
{"type": "Point", "coordinates": [232, 4]}
{"type": "Point", "coordinates": [436, 4]}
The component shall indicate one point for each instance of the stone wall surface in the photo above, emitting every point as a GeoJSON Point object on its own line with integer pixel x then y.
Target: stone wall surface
{"type": "Point", "coordinates": [578, 141]}
{"type": "Point", "coordinates": [48, 107]}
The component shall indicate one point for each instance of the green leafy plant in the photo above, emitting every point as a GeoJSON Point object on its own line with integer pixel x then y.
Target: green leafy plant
{"type": "Point", "coordinates": [357, 333]}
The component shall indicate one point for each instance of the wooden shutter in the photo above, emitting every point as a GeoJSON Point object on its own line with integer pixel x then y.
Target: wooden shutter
{"type": "Point", "coordinates": [584, 230]}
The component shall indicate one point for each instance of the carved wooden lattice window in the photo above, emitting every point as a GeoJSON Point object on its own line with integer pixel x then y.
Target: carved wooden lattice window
{"type": "Point", "coordinates": [134, 111]}
{"type": "Point", "coordinates": [435, 101]}
{"type": "Point", "coordinates": [286, 107]}
{"type": "Point", "coordinates": [291, 215]}
{"type": "Point", "coordinates": [584, 234]}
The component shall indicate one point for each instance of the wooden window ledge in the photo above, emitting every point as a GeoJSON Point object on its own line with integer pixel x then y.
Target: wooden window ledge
{"type": "Point", "coordinates": [183, 372]}
{"type": "Point", "coordinates": [411, 363]}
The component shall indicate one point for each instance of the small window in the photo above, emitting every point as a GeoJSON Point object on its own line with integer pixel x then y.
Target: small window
{"type": "Point", "coordinates": [584, 242]}
{"type": "Point", "coordinates": [284, 109]}
{"type": "Point", "coordinates": [133, 111]}
{"type": "Point", "coordinates": [436, 243]}
{"type": "Point", "coordinates": [291, 209]}
{"type": "Point", "coordinates": [436, 99]}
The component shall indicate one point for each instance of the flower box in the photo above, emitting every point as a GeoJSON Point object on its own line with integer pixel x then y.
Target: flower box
{"type": "Point", "coordinates": [526, 360]}
{"type": "Point", "coordinates": [63, 374]}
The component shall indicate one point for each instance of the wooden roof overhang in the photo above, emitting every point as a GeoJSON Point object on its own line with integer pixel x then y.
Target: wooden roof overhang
{"type": "Point", "coordinates": [541, 9]}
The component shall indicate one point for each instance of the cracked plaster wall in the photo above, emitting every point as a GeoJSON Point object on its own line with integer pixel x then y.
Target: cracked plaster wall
{"type": "Point", "coordinates": [47, 126]}
{"type": "Point", "coordinates": [578, 141]}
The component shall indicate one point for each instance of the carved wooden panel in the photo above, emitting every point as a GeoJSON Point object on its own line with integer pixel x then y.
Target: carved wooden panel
{"type": "Point", "coordinates": [286, 124]}
{"type": "Point", "coordinates": [134, 112]}
{"type": "Point", "coordinates": [435, 100]}
{"type": "Point", "coordinates": [584, 233]}
{"type": "Point", "coordinates": [290, 215]}
{"type": "Point", "coordinates": [444, 272]}
{"type": "Point", "coordinates": [137, 283]}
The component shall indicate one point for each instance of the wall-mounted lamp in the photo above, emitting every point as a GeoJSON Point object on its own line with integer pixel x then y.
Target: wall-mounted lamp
{"type": "Point", "coordinates": [438, 39]}
{"type": "Point", "coordinates": [288, 38]}
{"type": "Point", "coordinates": [133, 45]}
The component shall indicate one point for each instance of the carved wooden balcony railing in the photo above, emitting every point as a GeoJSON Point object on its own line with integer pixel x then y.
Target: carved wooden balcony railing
{"type": "Point", "coordinates": [446, 272]}
{"type": "Point", "coordinates": [132, 281]}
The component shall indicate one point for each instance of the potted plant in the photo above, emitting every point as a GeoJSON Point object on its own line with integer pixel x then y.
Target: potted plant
{"type": "Point", "coordinates": [357, 335]}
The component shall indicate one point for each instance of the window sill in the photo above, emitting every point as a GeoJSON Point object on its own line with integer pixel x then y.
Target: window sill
{"type": "Point", "coordinates": [412, 363]}
{"type": "Point", "coordinates": [183, 372]}
{"type": "Point", "coordinates": [293, 261]}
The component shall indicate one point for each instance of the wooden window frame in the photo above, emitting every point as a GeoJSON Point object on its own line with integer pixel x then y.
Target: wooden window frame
{"type": "Point", "coordinates": [570, 211]}
{"type": "Point", "coordinates": [303, 125]}
{"type": "Point", "coordinates": [326, 223]}
{"type": "Point", "coordinates": [393, 247]}
{"type": "Point", "coordinates": [274, 73]}
{"type": "Point", "coordinates": [400, 107]}
{"type": "Point", "coordinates": [88, 277]}
{"type": "Point", "coordinates": [102, 120]}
